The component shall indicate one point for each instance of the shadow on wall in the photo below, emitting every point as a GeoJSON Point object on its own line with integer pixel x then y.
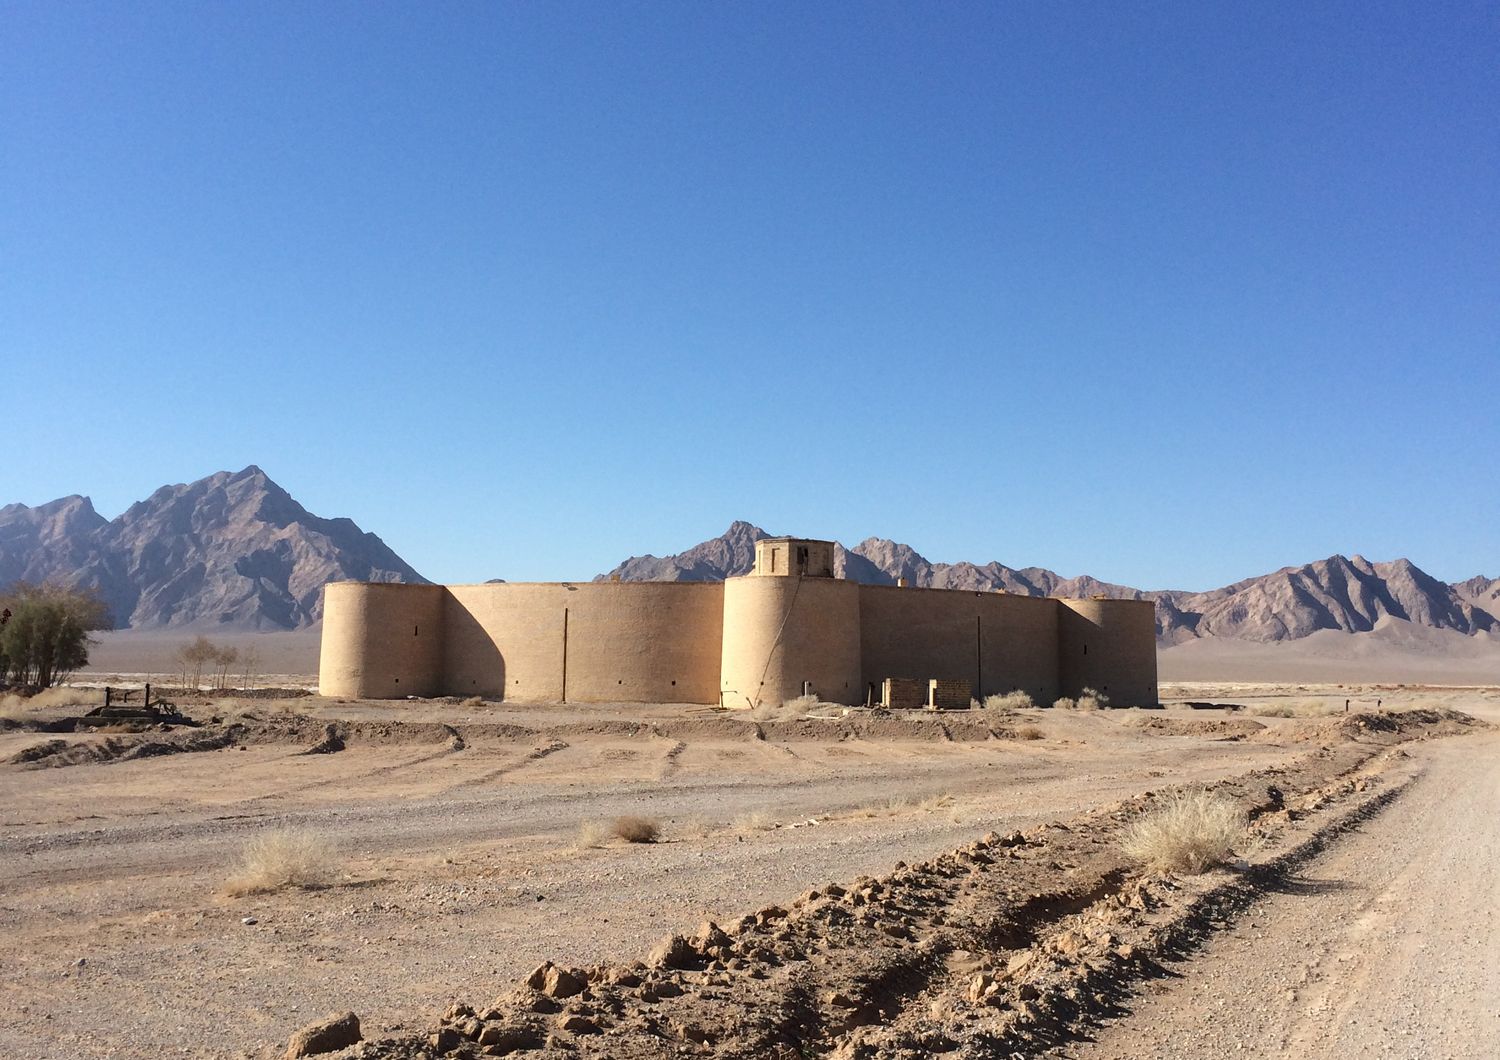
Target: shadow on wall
{"type": "Point", "coordinates": [472, 663]}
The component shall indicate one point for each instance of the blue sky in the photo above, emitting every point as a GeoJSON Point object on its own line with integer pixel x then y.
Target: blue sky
{"type": "Point", "coordinates": [1171, 294]}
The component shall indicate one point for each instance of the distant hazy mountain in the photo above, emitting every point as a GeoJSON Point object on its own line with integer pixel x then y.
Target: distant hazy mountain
{"type": "Point", "coordinates": [1350, 594]}
{"type": "Point", "coordinates": [230, 550]}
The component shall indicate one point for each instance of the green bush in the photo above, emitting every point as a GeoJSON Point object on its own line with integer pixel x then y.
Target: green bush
{"type": "Point", "coordinates": [44, 635]}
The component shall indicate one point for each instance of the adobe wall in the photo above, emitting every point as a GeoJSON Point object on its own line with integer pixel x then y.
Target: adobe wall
{"type": "Point", "coordinates": [381, 640]}
{"type": "Point", "coordinates": [1109, 645]}
{"type": "Point", "coordinates": [637, 642]}
{"type": "Point", "coordinates": [780, 632]}
{"type": "Point", "coordinates": [996, 641]}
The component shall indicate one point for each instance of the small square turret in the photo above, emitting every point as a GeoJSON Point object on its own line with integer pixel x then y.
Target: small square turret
{"type": "Point", "coordinates": [786, 556]}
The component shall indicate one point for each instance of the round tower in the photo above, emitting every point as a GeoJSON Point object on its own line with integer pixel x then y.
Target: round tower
{"type": "Point", "coordinates": [381, 640]}
{"type": "Point", "coordinates": [1109, 646]}
{"type": "Point", "coordinates": [790, 629]}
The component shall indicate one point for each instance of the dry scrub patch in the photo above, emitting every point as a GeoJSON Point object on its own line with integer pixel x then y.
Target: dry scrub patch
{"type": "Point", "coordinates": [1189, 831]}
{"type": "Point", "coordinates": [634, 829]}
{"type": "Point", "coordinates": [630, 828]}
{"type": "Point", "coordinates": [285, 858]}
{"type": "Point", "coordinates": [1008, 702]}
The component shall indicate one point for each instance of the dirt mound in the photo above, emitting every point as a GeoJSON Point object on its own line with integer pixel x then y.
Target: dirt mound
{"type": "Point", "coordinates": [982, 951]}
{"type": "Point", "coordinates": [59, 753]}
{"type": "Point", "coordinates": [1229, 728]}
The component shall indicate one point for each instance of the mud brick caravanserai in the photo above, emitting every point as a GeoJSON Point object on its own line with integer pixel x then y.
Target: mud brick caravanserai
{"type": "Point", "coordinates": [789, 628]}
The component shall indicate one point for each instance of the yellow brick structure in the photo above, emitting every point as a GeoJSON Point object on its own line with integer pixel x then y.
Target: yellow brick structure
{"type": "Point", "coordinates": [785, 630]}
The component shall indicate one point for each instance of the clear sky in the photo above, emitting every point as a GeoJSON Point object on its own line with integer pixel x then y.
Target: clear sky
{"type": "Point", "coordinates": [1167, 293]}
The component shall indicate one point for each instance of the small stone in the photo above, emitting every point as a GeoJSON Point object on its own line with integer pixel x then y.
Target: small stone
{"type": "Point", "coordinates": [674, 951]}
{"type": "Point", "coordinates": [576, 1024]}
{"type": "Point", "coordinates": [248, 920]}
{"type": "Point", "coordinates": [444, 1040]}
{"type": "Point", "coordinates": [562, 982]}
{"type": "Point", "coordinates": [499, 1039]}
{"type": "Point", "coordinates": [980, 986]}
{"type": "Point", "coordinates": [338, 1030]}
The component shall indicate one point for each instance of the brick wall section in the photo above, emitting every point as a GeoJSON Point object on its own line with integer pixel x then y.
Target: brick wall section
{"type": "Point", "coordinates": [903, 693]}
{"type": "Point", "coordinates": [943, 694]}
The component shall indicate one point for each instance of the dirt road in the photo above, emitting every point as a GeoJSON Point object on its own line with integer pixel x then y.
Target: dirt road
{"type": "Point", "coordinates": [1386, 946]}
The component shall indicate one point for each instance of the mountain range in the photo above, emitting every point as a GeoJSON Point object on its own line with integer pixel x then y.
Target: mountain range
{"type": "Point", "coordinates": [235, 551]}
{"type": "Point", "coordinates": [1339, 593]}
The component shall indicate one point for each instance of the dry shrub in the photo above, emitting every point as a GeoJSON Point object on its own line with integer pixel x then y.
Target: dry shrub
{"type": "Point", "coordinates": [1274, 710]}
{"type": "Point", "coordinates": [754, 821]}
{"type": "Point", "coordinates": [636, 829]}
{"type": "Point", "coordinates": [1028, 732]}
{"type": "Point", "coordinates": [284, 858]}
{"type": "Point", "coordinates": [1016, 700]}
{"type": "Point", "coordinates": [940, 801]}
{"type": "Point", "coordinates": [472, 701]}
{"type": "Point", "coordinates": [1307, 708]}
{"type": "Point", "coordinates": [593, 834]}
{"type": "Point", "coordinates": [1188, 831]}
{"type": "Point", "coordinates": [1064, 703]}
{"type": "Point", "coordinates": [16, 706]}
{"type": "Point", "coordinates": [693, 828]}
{"type": "Point", "coordinates": [786, 709]}
{"type": "Point", "coordinates": [1092, 699]}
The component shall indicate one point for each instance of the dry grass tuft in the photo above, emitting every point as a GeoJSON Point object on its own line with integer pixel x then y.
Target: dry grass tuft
{"type": "Point", "coordinates": [754, 821]}
{"type": "Point", "coordinates": [472, 702]}
{"type": "Point", "coordinates": [634, 829]}
{"type": "Point", "coordinates": [1064, 704]}
{"type": "Point", "coordinates": [17, 707]}
{"type": "Point", "coordinates": [693, 828]}
{"type": "Point", "coordinates": [1092, 699]}
{"type": "Point", "coordinates": [787, 709]}
{"type": "Point", "coordinates": [285, 858]}
{"type": "Point", "coordinates": [1188, 832]}
{"type": "Point", "coordinates": [1307, 708]}
{"type": "Point", "coordinates": [1017, 700]}
{"type": "Point", "coordinates": [1028, 732]}
{"type": "Point", "coordinates": [593, 834]}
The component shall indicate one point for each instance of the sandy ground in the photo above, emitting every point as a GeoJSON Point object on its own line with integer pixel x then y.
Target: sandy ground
{"type": "Point", "coordinates": [459, 868]}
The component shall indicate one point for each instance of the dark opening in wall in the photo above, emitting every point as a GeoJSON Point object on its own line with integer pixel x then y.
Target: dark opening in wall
{"type": "Point", "coordinates": [1085, 649]}
{"type": "Point", "coordinates": [413, 631]}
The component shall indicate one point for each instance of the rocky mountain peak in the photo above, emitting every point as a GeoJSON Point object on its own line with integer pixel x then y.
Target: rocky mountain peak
{"type": "Point", "coordinates": [1343, 593]}
{"type": "Point", "coordinates": [231, 550]}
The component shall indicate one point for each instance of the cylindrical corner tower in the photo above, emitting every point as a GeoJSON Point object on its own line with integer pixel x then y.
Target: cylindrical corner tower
{"type": "Point", "coordinates": [1109, 646]}
{"type": "Point", "coordinates": [381, 640]}
{"type": "Point", "coordinates": [786, 636]}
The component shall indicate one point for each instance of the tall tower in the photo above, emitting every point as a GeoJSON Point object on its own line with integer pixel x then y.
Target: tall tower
{"type": "Point", "coordinates": [790, 628]}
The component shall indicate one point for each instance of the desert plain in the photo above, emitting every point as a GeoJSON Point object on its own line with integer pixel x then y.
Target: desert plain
{"type": "Point", "coordinates": [823, 882]}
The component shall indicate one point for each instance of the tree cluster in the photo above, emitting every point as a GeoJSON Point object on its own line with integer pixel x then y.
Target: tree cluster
{"type": "Point", "coordinates": [44, 632]}
{"type": "Point", "coordinates": [202, 656]}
